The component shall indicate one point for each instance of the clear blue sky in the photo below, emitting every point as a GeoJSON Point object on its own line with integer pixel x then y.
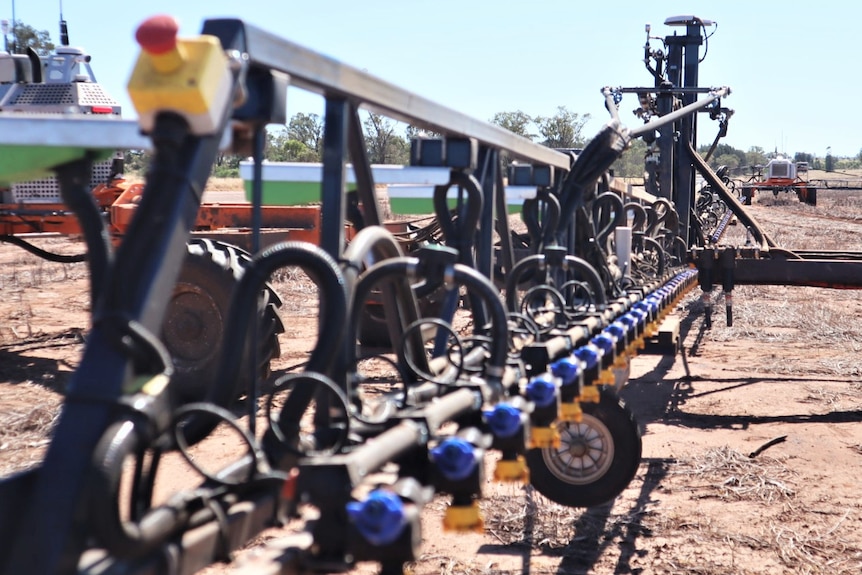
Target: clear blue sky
{"type": "Point", "coordinates": [793, 67]}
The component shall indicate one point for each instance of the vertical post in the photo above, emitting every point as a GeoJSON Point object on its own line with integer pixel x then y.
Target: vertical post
{"type": "Point", "coordinates": [335, 137]}
{"type": "Point", "coordinates": [362, 170]}
{"type": "Point", "coordinates": [685, 183]}
{"type": "Point", "coordinates": [14, 49]}
{"type": "Point", "coordinates": [335, 145]}
{"type": "Point", "coordinates": [332, 185]}
{"type": "Point", "coordinates": [488, 159]}
{"type": "Point", "coordinates": [507, 254]}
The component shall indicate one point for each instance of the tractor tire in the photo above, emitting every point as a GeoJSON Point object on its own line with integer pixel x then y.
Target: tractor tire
{"type": "Point", "coordinates": [811, 197]}
{"type": "Point", "coordinates": [194, 326]}
{"type": "Point", "coordinates": [597, 457]}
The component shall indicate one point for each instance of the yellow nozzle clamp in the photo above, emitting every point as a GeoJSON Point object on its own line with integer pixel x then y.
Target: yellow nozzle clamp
{"type": "Point", "coordinates": [606, 377]}
{"type": "Point", "coordinates": [541, 437]}
{"type": "Point", "coordinates": [590, 394]}
{"type": "Point", "coordinates": [512, 470]}
{"type": "Point", "coordinates": [571, 412]}
{"type": "Point", "coordinates": [463, 518]}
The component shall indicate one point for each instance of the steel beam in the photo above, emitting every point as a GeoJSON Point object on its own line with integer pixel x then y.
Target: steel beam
{"type": "Point", "coordinates": [330, 78]}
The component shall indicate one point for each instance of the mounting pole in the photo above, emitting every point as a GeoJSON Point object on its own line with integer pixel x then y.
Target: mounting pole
{"type": "Point", "coordinates": [14, 49]}
{"type": "Point", "coordinates": [64, 30]}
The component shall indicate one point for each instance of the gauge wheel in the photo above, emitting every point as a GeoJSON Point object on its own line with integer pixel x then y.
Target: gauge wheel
{"type": "Point", "coordinates": [596, 459]}
{"type": "Point", "coordinates": [194, 325]}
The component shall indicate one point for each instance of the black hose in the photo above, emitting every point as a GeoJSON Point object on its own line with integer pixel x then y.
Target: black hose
{"type": "Point", "coordinates": [44, 254]}
{"type": "Point", "coordinates": [605, 205]}
{"type": "Point", "coordinates": [603, 150]}
{"type": "Point", "coordinates": [538, 261]}
{"type": "Point", "coordinates": [476, 284]}
{"type": "Point", "coordinates": [325, 273]}
{"type": "Point", "coordinates": [74, 179]}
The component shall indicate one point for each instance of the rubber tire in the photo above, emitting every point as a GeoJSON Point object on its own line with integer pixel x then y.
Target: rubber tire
{"type": "Point", "coordinates": [612, 420]}
{"type": "Point", "coordinates": [193, 330]}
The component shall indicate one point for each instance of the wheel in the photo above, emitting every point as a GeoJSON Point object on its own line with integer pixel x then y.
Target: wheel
{"type": "Point", "coordinates": [195, 318]}
{"type": "Point", "coordinates": [811, 197]}
{"type": "Point", "coordinates": [597, 457]}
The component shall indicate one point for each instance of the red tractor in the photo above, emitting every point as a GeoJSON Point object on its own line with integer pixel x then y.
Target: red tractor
{"type": "Point", "coordinates": [782, 175]}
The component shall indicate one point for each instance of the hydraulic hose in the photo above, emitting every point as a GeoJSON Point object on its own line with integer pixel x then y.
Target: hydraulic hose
{"type": "Point", "coordinates": [325, 273]}
{"type": "Point", "coordinates": [44, 254]}
{"type": "Point", "coordinates": [608, 214]}
{"type": "Point", "coordinates": [602, 151]}
{"type": "Point", "coordinates": [537, 261]}
{"type": "Point", "coordinates": [371, 245]}
{"type": "Point", "coordinates": [74, 179]}
{"type": "Point", "coordinates": [475, 283]}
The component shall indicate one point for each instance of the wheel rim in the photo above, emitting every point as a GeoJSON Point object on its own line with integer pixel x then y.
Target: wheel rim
{"type": "Point", "coordinates": [193, 325]}
{"type": "Point", "coordinates": [585, 454]}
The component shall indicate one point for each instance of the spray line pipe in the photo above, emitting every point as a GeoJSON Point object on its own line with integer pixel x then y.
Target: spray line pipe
{"type": "Point", "coordinates": [629, 324]}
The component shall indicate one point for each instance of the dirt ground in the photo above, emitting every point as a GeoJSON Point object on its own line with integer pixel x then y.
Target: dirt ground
{"type": "Point", "coordinates": [788, 371]}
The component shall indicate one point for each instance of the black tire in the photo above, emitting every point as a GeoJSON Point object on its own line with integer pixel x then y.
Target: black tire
{"type": "Point", "coordinates": [811, 197]}
{"type": "Point", "coordinates": [606, 446]}
{"type": "Point", "coordinates": [194, 325]}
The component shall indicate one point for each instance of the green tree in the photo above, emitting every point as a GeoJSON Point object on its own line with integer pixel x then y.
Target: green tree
{"type": "Point", "coordinates": [631, 163]}
{"type": "Point", "coordinates": [280, 147]}
{"type": "Point", "coordinates": [729, 160]}
{"type": "Point", "coordinates": [562, 130]}
{"type": "Point", "coordinates": [307, 129]}
{"type": "Point", "coordinates": [517, 122]}
{"type": "Point", "coordinates": [24, 35]}
{"type": "Point", "coordinates": [136, 162]}
{"type": "Point", "coordinates": [803, 157]}
{"type": "Point", "coordinates": [226, 166]}
{"type": "Point", "coordinates": [383, 144]}
{"type": "Point", "coordinates": [756, 156]}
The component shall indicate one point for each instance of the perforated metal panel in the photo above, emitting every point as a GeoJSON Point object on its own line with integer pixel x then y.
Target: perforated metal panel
{"type": "Point", "coordinates": [44, 95]}
{"type": "Point", "coordinates": [52, 95]}
{"type": "Point", "coordinates": [47, 191]}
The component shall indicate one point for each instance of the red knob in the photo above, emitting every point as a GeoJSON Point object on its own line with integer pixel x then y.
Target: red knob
{"type": "Point", "coordinates": [158, 34]}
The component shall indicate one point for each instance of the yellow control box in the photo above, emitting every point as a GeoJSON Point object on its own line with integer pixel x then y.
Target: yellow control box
{"type": "Point", "coordinates": [189, 76]}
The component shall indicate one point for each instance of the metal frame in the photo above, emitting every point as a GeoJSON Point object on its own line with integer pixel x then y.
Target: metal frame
{"type": "Point", "coordinates": [122, 352]}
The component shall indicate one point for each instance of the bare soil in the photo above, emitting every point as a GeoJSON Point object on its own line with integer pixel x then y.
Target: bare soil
{"type": "Point", "coordinates": [788, 371]}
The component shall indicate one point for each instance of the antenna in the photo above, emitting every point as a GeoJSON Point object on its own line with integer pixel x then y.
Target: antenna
{"type": "Point", "coordinates": [64, 30]}
{"type": "Point", "coordinates": [14, 49]}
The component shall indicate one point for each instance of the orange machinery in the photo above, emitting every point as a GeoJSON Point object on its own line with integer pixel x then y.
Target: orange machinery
{"type": "Point", "coordinates": [118, 199]}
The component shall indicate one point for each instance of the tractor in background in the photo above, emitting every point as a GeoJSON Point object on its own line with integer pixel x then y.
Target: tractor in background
{"type": "Point", "coordinates": [779, 175]}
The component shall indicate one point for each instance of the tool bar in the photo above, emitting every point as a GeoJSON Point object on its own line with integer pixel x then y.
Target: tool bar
{"type": "Point", "coordinates": [328, 77]}
{"type": "Point", "coordinates": [89, 132]}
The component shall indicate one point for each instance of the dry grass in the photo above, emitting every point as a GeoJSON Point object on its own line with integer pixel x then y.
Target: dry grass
{"type": "Point", "coordinates": [729, 475]}
{"type": "Point", "coordinates": [25, 427]}
{"type": "Point", "coordinates": [817, 550]}
{"type": "Point", "coordinates": [223, 184]}
{"type": "Point", "coordinates": [298, 292]}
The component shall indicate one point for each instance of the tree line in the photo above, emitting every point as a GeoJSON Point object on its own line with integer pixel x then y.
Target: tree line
{"type": "Point", "coordinates": [388, 141]}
